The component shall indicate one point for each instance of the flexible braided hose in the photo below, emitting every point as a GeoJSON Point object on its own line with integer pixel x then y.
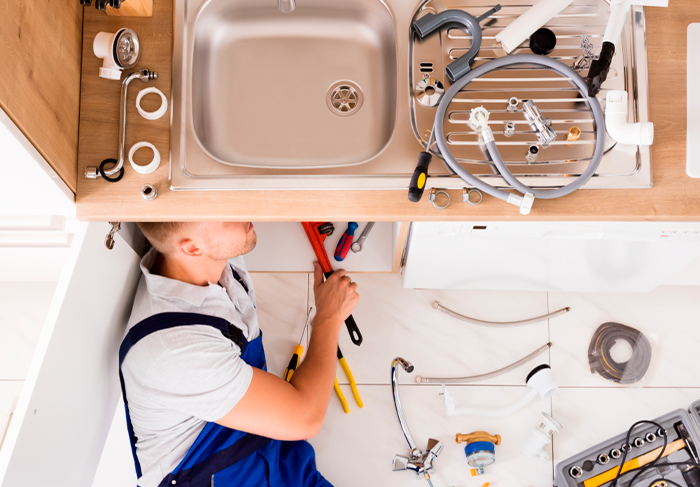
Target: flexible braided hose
{"type": "Point", "coordinates": [477, 378]}
{"type": "Point", "coordinates": [496, 324]}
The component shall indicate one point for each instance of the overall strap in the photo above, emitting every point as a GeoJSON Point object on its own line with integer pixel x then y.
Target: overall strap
{"type": "Point", "coordinates": [163, 321]}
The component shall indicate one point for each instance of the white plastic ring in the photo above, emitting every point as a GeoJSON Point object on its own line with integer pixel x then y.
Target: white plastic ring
{"type": "Point", "coordinates": [158, 113]}
{"type": "Point", "coordinates": [151, 166]}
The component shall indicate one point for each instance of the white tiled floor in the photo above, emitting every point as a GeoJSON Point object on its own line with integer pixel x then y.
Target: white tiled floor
{"type": "Point", "coordinates": [357, 449]}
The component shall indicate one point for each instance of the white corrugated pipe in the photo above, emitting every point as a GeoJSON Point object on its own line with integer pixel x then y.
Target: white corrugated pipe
{"type": "Point", "coordinates": [641, 133]}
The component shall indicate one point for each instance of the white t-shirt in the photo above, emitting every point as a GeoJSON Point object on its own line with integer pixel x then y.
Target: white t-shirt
{"type": "Point", "coordinates": [179, 379]}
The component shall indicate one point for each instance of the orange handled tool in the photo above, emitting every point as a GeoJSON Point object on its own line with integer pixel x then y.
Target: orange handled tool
{"type": "Point", "coordinates": [317, 233]}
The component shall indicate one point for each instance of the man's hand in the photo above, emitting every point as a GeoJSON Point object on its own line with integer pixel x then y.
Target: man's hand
{"type": "Point", "coordinates": [293, 411]}
{"type": "Point", "coordinates": [335, 298]}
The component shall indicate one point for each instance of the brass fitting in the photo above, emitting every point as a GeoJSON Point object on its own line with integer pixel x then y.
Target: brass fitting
{"type": "Point", "coordinates": [478, 436]}
{"type": "Point", "coordinates": [574, 134]}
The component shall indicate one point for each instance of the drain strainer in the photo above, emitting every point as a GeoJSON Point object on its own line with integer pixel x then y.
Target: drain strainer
{"type": "Point", "coordinates": [344, 98]}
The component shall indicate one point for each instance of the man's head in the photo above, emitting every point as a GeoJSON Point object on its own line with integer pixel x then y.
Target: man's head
{"type": "Point", "coordinates": [211, 240]}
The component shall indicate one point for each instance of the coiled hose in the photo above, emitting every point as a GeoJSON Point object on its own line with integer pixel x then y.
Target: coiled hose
{"type": "Point", "coordinates": [471, 180]}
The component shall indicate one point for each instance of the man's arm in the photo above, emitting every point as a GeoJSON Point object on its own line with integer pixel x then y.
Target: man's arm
{"type": "Point", "coordinates": [277, 409]}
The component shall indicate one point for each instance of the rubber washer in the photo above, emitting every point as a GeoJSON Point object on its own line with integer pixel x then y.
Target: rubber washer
{"type": "Point", "coordinates": [114, 179]}
{"type": "Point", "coordinates": [543, 41]}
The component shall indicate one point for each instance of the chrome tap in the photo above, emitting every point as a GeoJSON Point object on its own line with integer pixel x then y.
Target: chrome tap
{"type": "Point", "coordinates": [418, 461]}
{"type": "Point", "coordinates": [286, 6]}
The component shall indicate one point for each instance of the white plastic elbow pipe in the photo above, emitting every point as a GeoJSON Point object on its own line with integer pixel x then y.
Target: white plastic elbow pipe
{"type": "Point", "coordinates": [102, 47]}
{"type": "Point", "coordinates": [522, 27]}
{"type": "Point", "coordinates": [641, 133]}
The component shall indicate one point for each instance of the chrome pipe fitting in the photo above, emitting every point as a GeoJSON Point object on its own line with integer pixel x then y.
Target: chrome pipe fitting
{"type": "Point", "coordinates": [144, 75]}
{"type": "Point", "coordinates": [408, 367]}
{"type": "Point", "coordinates": [509, 129]}
{"type": "Point", "coordinates": [537, 122]}
{"type": "Point", "coordinates": [149, 192]}
{"type": "Point", "coordinates": [418, 461]}
{"type": "Point", "coordinates": [532, 153]}
{"type": "Point", "coordinates": [513, 103]}
{"type": "Point", "coordinates": [286, 6]}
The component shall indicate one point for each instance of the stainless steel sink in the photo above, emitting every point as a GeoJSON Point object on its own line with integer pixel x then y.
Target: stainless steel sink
{"type": "Point", "coordinates": [314, 88]}
{"type": "Point", "coordinates": [324, 97]}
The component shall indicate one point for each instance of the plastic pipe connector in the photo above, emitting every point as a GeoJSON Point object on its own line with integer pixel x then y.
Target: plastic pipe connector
{"type": "Point", "coordinates": [641, 133]}
{"type": "Point", "coordinates": [102, 47]}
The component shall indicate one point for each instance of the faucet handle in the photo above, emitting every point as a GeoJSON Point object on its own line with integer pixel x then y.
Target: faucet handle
{"type": "Point", "coordinates": [434, 446]}
{"type": "Point", "coordinates": [400, 463]}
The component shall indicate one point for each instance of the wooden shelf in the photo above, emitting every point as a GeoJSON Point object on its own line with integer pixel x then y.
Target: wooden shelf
{"type": "Point", "coordinates": [674, 196]}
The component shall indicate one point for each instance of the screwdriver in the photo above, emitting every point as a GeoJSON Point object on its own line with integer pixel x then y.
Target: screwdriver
{"type": "Point", "coordinates": [298, 350]}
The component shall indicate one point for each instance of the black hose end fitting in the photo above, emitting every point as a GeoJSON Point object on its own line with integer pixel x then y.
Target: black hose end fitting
{"type": "Point", "coordinates": [420, 175]}
{"type": "Point", "coordinates": [691, 475]}
{"type": "Point", "coordinates": [598, 72]}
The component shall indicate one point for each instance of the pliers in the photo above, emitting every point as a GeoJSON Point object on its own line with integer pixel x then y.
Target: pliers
{"type": "Point", "coordinates": [351, 381]}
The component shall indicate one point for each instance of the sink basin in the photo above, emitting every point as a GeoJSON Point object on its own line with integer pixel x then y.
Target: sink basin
{"type": "Point", "coordinates": [313, 88]}
{"type": "Point", "coordinates": [325, 97]}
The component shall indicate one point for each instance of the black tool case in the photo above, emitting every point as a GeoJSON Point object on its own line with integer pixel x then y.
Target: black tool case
{"type": "Point", "coordinates": [691, 420]}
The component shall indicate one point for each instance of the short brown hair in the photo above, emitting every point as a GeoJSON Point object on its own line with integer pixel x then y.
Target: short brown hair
{"type": "Point", "coordinates": [163, 235]}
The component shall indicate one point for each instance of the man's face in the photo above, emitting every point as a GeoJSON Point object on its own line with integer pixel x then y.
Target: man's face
{"type": "Point", "coordinates": [229, 239]}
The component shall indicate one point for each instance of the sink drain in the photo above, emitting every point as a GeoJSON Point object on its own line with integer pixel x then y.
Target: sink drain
{"type": "Point", "coordinates": [344, 98]}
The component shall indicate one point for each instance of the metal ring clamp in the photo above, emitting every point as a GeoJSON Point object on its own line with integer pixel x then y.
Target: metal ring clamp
{"type": "Point", "coordinates": [433, 194]}
{"type": "Point", "coordinates": [467, 193]}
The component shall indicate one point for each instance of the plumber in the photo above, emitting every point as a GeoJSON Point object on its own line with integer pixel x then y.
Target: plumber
{"type": "Point", "coordinates": [201, 408]}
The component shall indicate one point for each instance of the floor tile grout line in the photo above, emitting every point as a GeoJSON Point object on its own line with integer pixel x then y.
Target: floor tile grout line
{"type": "Point", "coordinates": [549, 333]}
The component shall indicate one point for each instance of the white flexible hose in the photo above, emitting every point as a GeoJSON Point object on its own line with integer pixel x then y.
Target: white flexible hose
{"type": "Point", "coordinates": [496, 324]}
{"type": "Point", "coordinates": [477, 378]}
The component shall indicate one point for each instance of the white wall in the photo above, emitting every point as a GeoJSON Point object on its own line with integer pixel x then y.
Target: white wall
{"type": "Point", "coordinates": [37, 213]}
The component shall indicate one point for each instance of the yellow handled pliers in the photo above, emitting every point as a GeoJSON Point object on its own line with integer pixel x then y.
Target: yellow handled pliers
{"type": "Point", "coordinates": [351, 380]}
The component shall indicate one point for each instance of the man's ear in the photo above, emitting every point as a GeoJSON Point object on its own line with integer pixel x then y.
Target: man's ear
{"type": "Point", "coordinates": [189, 248]}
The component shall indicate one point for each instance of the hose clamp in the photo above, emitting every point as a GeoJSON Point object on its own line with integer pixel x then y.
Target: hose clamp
{"type": "Point", "coordinates": [467, 196]}
{"type": "Point", "coordinates": [433, 195]}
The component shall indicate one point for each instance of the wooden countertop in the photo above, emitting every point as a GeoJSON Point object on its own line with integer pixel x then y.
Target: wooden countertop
{"type": "Point", "coordinates": [674, 196]}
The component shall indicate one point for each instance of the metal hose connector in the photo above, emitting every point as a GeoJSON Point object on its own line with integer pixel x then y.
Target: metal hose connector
{"type": "Point", "coordinates": [496, 324]}
{"type": "Point", "coordinates": [490, 375]}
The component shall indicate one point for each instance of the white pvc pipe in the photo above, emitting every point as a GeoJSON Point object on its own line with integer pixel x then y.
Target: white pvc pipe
{"type": "Point", "coordinates": [520, 29]}
{"type": "Point", "coordinates": [641, 133]}
{"type": "Point", "coordinates": [618, 14]}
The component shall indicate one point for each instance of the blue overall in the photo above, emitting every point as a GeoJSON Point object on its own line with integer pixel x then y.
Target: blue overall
{"type": "Point", "coordinates": [220, 456]}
